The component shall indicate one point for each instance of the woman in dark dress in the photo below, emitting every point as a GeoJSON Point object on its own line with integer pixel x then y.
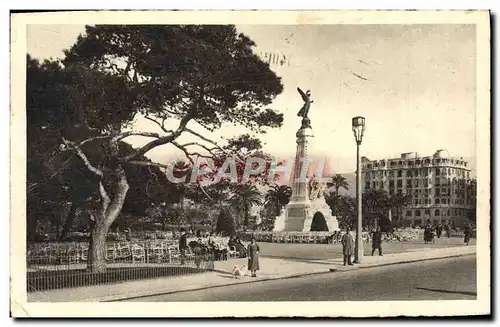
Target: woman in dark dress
{"type": "Point", "coordinates": [253, 257]}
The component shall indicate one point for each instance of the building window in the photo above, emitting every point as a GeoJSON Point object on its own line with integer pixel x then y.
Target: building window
{"type": "Point", "coordinates": [416, 183]}
{"type": "Point", "coordinates": [418, 162]}
{"type": "Point", "coordinates": [391, 173]}
{"type": "Point", "coordinates": [400, 183]}
{"type": "Point", "coordinates": [409, 173]}
{"type": "Point", "coordinates": [400, 173]}
{"type": "Point", "coordinates": [427, 212]}
{"type": "Point", "coordinates": [436, 212]}
{"type": "Point", "coordinates": [417, 213]}
{"type": "Point", "coordinates": [437, 200]}
{"type": "Point", "coordinates": [391, 184]}
{"type": "Point", "coordinates": [408, 213]}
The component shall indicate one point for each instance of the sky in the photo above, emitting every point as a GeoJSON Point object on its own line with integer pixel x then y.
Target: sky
{"type": "Point", "coordinates": [414, 84]}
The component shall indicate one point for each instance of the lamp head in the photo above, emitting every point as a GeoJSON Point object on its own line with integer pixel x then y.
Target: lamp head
{"type": "Point", "coordinates": [358, 127]}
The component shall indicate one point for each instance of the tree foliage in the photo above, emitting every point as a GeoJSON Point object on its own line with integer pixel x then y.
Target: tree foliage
{"type": "Point", "coordinates": [278, 196]}
{"type": "Point", "coordinates": [338, 181]}
{"type": "Point", "coordinates": [244, 197]}
{"type": "Point", "coordinates": [181, 74]}
{"type": "Point", "coordinates": [225, 223]}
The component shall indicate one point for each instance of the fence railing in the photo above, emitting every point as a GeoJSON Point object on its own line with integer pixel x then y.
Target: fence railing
{"type": "Point", "coordinates": [60, 265]}
{"type": "Point", "coordinates": [325, 237]}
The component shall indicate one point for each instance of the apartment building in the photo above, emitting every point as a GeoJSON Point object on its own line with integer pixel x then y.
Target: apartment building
{"type": "Point", "coordinates": [440, 186]}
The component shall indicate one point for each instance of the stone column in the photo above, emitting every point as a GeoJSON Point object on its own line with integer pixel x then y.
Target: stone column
{"type": "Point", "coordinates": [300, 192]}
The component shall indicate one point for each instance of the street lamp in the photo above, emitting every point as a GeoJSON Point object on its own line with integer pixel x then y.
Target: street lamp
{"type": "Point", "coordinates": [358, 127]}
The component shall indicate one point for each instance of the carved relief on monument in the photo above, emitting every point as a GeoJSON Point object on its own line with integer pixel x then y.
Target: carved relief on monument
{"type": "Point", "coordinates": [316, 189]}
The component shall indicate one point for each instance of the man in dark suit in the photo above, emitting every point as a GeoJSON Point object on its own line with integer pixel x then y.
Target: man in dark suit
{"type": "Point", "coordinates": [183, 245]}
{"type": "Point", "coordinates": [347, 247]}
{"type": "Point", "coordinates": [377, 241]}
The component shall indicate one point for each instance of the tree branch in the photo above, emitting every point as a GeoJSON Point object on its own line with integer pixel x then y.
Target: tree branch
{"type": "Point", "coordinates": [212, 142]}
{"type": "Point", "coordinates": [162, 124]}
{"type": "Point", "coordinates": [104, 195]}
{"type": "Point", "coordinates": [147, 163]}
{"type": "Point", "coordinates": [187, 153]}
{"type": "Point", "coordinates": [131, 133]}
{"type": "Point", "coordinates": [79, 152]}
{"type": "Point", "coordinates": [161, 140]}
{"type": "Point", "coordinates": [200, 145]}
{"type": "Point", "coordinates": [93, 139]}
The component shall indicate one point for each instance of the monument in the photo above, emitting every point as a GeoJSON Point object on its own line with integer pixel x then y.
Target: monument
{"type": "Point", "coordinates": [307, 204]}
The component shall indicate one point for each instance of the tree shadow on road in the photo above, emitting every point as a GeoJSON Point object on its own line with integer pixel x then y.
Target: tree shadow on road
{"type": "Point", "coordinates": [447, 291]}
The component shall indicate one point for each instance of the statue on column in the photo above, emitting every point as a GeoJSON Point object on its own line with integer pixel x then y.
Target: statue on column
{"type": "Point", "coordinates": [304, 111]}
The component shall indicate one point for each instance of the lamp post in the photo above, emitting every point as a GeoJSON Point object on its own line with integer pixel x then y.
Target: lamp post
{"type": "Point", "coordinates": [358, 127]}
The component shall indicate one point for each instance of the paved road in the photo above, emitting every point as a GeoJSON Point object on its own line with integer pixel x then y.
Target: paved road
{"type": "Point", "coordinates": [328, 251]}
{"type": "Point", "coordinates": [443, 279]}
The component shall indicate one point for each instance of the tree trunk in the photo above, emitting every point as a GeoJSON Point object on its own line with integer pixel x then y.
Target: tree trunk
{"type": "Point", "coordinates": [245, 221]}
{"type": "Point", "coordinates": [110, 209]}
{"type": "Point", "coordinates": [97, 248]}
{"type": "Point", "coordinates": [278, 208]}
{"type": "Point", "coordinates": [69, 220]}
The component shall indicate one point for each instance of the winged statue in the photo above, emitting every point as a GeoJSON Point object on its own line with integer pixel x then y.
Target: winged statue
{"type": "Point", "coordinates": [304, 111]}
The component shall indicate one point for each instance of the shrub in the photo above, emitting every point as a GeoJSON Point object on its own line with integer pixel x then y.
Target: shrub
{"type": "Point", "coordinates": [225, 223]}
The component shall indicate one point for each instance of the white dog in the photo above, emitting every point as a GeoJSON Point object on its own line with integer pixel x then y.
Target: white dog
{"type": "Point", "coordinates": [239, 271]}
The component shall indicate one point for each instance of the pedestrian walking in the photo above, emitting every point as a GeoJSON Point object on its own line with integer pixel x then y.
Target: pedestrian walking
{"type": "Point", "coordinates": [347, 247]}
{"type": "Point", "coordinates": [448, 230]}
{"type": "Point", "coordinates": [467, 234]}
{"type": "Point", "coordinates": [253, 257]}
{"type": "Point", "coordinates": [183, 245]}
{"type": "Point", "coordinates": [439, 230]}
{"type": "Point", "coordinates": [377, 241]}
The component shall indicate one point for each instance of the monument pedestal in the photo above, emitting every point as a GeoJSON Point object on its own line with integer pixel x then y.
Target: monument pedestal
{"type": "Point", "coordinates": [300, 216]}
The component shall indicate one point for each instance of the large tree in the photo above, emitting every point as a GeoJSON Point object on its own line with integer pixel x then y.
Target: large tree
{"type": "Point", "coordinates": [338, 181]}
{"type": "Point", "coordinates": [203, 75]}
{"type": "Point", "coordinates": [278, 196]}
{"type": "Point", "coordinates": [399, 201]}
{"type": "Point", "coordinates": [375, 206]}
{"type": "Point", "coordinates": [244, 197]}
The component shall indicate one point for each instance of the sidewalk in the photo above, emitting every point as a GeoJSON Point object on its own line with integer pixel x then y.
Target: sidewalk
{"type": "Point", "coordinates": [270, 269]}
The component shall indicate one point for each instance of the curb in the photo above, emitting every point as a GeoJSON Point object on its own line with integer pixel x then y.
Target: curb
{"type": "Point", "coordinates": [250, 281]}
{"type": "Point", "coordinates": [119, 298]}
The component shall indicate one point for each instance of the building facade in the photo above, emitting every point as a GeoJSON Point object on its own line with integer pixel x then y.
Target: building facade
{"type": "Point", "coordinates": [439, 186]}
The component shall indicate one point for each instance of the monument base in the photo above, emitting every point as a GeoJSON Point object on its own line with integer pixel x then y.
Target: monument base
{"type": "Point", "coordinates": [299, 217]}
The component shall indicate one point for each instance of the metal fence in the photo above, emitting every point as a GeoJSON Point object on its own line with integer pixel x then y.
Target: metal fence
{"type": "Point", "coordinates": [64, 265]}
